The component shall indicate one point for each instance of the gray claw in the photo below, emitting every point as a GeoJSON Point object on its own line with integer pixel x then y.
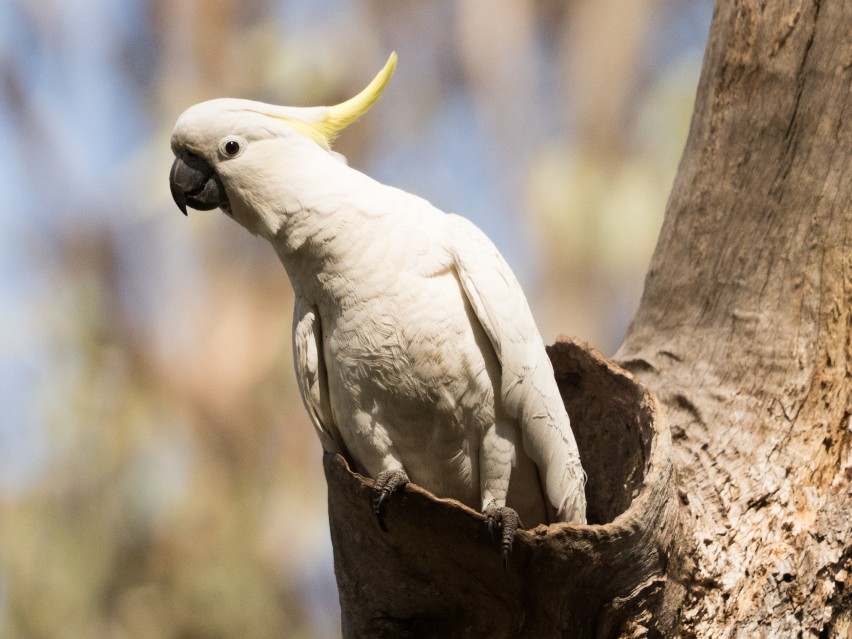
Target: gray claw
{"type": "Point", "coordinates": [387, 482]}
{"type": "Point", "coordinates": [507, 520]}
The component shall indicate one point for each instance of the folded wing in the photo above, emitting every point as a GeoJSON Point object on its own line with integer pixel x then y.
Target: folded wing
{"type": "Point", "coordinates": [311, 374]}
{"type": "Point", "coordinates": [528, 387]}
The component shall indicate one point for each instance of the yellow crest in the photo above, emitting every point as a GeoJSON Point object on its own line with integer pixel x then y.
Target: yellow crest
{"type": "Point", "coordinates": [337, 118]}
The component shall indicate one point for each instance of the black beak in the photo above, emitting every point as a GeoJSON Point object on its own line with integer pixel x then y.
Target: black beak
{"type": "Point", "coordinates": [195, 183]}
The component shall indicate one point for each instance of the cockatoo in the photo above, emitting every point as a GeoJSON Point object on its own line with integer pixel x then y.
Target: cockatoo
{"type": "Point", "coordinates": [415, 349]}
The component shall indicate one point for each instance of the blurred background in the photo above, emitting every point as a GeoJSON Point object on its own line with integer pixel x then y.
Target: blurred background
{"type": "Point", "coordinates": [158, 475]}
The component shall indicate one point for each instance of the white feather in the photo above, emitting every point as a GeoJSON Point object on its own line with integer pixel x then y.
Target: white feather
{"type": "Point", "coordinates": [414, 344]}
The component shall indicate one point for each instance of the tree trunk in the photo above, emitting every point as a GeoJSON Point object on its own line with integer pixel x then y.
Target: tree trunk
{"type": "Point", "coordinates": [745, 332]}
{"type": "Point", "coordinates": [437, 573]}
{"type": "Point", "coordinates": [745, 323]}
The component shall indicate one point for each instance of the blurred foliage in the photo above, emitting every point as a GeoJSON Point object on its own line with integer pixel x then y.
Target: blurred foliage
{"type": "Point", "coordinates": [159, 477]}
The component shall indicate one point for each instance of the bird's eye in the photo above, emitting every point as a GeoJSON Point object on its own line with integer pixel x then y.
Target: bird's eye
{"type": "Point", "coordinates": [231, 146]}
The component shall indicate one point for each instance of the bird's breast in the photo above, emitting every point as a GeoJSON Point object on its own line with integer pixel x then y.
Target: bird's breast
{"type": "Point", "coordinates": [413, 359]}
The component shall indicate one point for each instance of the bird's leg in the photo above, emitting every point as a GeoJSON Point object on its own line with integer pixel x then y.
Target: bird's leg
{"type": "Point", "coordinates": [386, 482]}
{"type": "Point", "coordinates": [496, 459]}
{"type": "Point", "coordinates": [505, 520]}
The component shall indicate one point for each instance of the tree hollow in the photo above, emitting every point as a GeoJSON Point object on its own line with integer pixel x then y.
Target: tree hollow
{"type": "Point", "coordinates": [437, 572]}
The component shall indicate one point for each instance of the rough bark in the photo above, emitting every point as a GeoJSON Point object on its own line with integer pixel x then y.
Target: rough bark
{"type": "Point", "coordinates": [745, 331]}
{"type": "Point", "coordinates": [437, 573]}
{"type": "Point", "coordinates": [745, 323]}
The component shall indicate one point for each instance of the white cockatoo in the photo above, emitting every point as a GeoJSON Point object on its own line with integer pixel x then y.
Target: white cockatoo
{"type": "Point", "coordinates": [415, 349]}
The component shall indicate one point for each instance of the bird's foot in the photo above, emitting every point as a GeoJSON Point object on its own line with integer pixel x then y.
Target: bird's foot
{"type": "Point", "coordinates": [386, 483]}
{"type": "Point", "coordinates": [505, 520]}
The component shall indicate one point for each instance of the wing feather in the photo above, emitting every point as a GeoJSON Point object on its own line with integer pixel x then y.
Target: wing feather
{"type": "Point", "coordinates": [528, 388]}
{"type": "Point", "coordinates": [311, 374]}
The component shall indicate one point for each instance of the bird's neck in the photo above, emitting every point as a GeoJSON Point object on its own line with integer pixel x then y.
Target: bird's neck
{"type": "Point", "coordinates": [325, 243]}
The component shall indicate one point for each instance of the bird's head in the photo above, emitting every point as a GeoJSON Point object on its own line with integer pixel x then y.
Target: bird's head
{"type": "Point", "coordinates": [233, 154]}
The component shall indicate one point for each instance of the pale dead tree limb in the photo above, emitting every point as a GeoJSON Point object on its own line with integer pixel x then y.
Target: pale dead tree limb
{"type": "Point", "coordinates": [737, 523]}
